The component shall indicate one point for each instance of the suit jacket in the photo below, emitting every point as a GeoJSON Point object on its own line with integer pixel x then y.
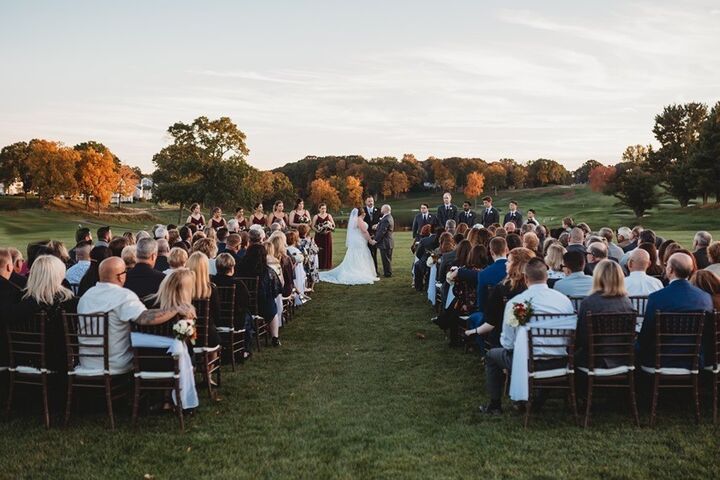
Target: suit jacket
{"type": "Point", "coordinates": [384, 233]}
{"type": "Point", "coordinates": [701, 258]}
{"type": "Point", "coordinates": [515, 218]}
{"type": "Point", "coordinates": [678, 296]}
{"type": "Point", "coordinates": [444, 214]}
{"type": "Point", "coordinates": [469, 218]}
{"type": "Point", "coordinates": [372, 219]}
{"type": "Point", "coordinates": [161, 264]}
{"type": "Point", "coordinates": [144, 280]}
{"type": "Point", "coordinates": [10, 292]}
{"type": "Point", "coordinates": [419, 222]}
{"type": "Point", "coordinates": [426, 245]}
{"type": "Point", "coordinates": [488, 218]}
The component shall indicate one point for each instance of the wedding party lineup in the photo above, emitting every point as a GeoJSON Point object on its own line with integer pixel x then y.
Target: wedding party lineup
{"type": "Point", "coordinates": [379, 240]}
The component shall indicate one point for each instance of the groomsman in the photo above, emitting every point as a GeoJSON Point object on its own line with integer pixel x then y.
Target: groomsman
{"type": "Point", "coordinates": [467, 216]}
{"type": "Point", "coordinates": [447, 211]}
{"type": "Point", "coordinates": [513, 215]}
{"type": "Point", "coordinates": [490, 214]}
{"type": "Point", "coordinates": [423, 218]}
{"type": "Point", "coordinates": [372, 217]}
{"type": "Point", "coordinates": [531, 217]}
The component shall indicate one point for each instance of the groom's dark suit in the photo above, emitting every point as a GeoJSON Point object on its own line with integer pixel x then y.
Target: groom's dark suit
{"type": "Point", "coordinates": [385, 242]}
{"type": "Point", "coordinates": [372, 217]}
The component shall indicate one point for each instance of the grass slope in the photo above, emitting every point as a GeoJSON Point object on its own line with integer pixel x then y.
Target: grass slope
{"type": "Point", "coordinates": [353, 393]}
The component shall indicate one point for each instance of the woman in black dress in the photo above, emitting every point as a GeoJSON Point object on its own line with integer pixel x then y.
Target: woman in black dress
{"type": "Point", "coordinates": [323, 224]}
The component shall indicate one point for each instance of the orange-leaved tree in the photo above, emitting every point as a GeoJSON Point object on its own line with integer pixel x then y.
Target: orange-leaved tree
{"type": "Point", "coordinates": [474, 186]}
{"type": "Point", "coordinates": [96, 176]}
{"type": "Point", "coordinates": [600, 176]}
{"type": "Point", "coordinates": [354, 195]}
{"type": "Point", "coordinates": [322, 192]}
{"type": "Point", "coordinates": [52, 166]}
{"type": "Point", "coordinates": [127, 181]}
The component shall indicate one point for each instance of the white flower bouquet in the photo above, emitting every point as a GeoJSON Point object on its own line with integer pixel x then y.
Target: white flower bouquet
{"type": "Point", "coordinates": [185, 330]}
{"type": "Point", "coordinates": [451, 275]}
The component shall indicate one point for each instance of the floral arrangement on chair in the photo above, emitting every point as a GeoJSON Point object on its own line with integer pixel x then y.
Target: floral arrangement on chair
{"type": "Point", "coordinates": [522, 313]}
{"type": "Point", "coordinates": [185, 330]}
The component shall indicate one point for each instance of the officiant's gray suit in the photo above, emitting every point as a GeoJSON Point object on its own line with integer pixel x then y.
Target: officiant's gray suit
{"type": "Point", "coordinates": [385, 242]}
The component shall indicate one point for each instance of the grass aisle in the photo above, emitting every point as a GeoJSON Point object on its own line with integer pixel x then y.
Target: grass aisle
{"type": "Point", "coordinates": [353, 393]}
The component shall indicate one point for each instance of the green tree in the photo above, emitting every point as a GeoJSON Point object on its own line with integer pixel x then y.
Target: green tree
{"type": "Point", "coordinates": [582, 174]}
{"type": "Point", "coordinates": [635, 187]}
{"type": "Point", "coordinates": [705, 160]}
{"type": "Point", "coordinates": [543, 172]}
{"type": "Point", "coordinates": [14, 165]}
{"type": "Point", "coordinates": [495, 177]}
{"type": "Point", "coordinates": [639, 154]}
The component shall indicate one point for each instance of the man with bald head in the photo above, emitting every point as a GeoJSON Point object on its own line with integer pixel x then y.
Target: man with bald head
{"type": "Point", "coordinates": [576, 241]}
{"type": "Point", "coordinates": [123, 306]}
{"type": "Point", "coordinates": [679, 296]}
{"type": "Point", "coordinates": [639, 283]}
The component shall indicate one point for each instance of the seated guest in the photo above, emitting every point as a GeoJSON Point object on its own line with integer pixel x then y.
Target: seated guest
{"type": "Point", "coordinates": [531, 242]}
{"type": "Point", "coordinates": [45, 292]}
{"type": "Point", "coordinates": [58, 249]}
{"type": "Point", "coordinates": [575, 241]}
{"type": "Point", "coordinates": [128, 256]}
{"type": "Point", "coordinates": [634, 240]}
{"type": "Point", "coordinates": [20, 268]}
{"type": "Point", "coordinates": [185, 237]}
{"type": "Point", "coordinates": [97, 255]}
{"type": "Point", "coordinates": [177, 259]}
{"type": "Point", "coordinates": [104, 235]}
{"type": "Point", "coordinates": [614, 251]}
{"type": "Point", "coordinates": [513, 240]}
{"type": "Point", "coordinates": [209, 248]}
{"type": "Point", "coordinates": [544, 300]}
{"type": "Point", "coordinates": [678, 296]}
{"type": "Point", "coordinates": [596, 252]}
{"type": "Point", "coordinates": [162, 263]}
{"type": "Point", "coordinates": [608, 295]}
{"type": "Point", "coordinates": [624, 236]}
{"type": "Point", "coordinates": [639, 283]}
{"type": "Point", "coordinates": [279, 252]}
{"type": "Point", "coordinates": [117, 245]}
{"type": "Point", "coordinates": [222, 235]}
{"type": "Point", "coordinates": [203, 289]}
{"type": "Point", "coordinates": [143, 279]}
{"type": "Point", "coordinates": [575, 283]}
{"type": "Point", "coordinates": [654, 267]}
{"type": "Point", "coordinates": [161, 233]}
{"type": "Point", "coordinates": [173, 237]}
{"type": "Point", "coordinates": [709, 282]}
{"type": "Point", "coordinates": [700, 246]}
{"type": "Point", "coordinates": [713, 253]}
{"type": "Point", "coordinates": [82, 263]}
{"type": "Point", "coordinates": [83, 238]}
{"type": "Point", "coordinates": [130, 237]}
{"type": "Point", "coordinates": [509, 227]}
{"type": "Point", "coordinates": [233, 246]}
{"type": "Point", "coordinates": [10, 292]}
{"type": "Point", "coordinates": [643, 236]}
{"type": "Point", "coordinates": [554, 261]}
{"type": "Point", "coordinates": [123, 306]}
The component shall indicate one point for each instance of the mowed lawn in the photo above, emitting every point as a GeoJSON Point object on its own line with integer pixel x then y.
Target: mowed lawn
{"type": "Point", "coordinates": [355, 392]}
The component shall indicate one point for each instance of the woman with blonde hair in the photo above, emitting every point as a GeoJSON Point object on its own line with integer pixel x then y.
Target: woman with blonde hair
{"type": "Point", "coordinates": [532, 242]}
{"type": "Point", "coordinates": [204, 289]}
{"type": "Point", "coordinates": [209, 248]}
{"type": "Point", "coordinates": [45, 292]}
{"type": "Point", "coordinates": [554, 261]}
{"type": "Point", "coordinates": [608, 295]}
{"type": "Point", "coordinates": [129, 256]}
{"type": "Point", "coordinates": [177, 259]}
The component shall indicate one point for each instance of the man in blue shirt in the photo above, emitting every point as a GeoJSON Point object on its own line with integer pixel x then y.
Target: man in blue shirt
{"type": "Point", "coordinates": [576, 283]}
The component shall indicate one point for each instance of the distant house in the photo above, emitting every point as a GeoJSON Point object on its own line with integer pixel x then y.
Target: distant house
{"type": "Point", "coordinates": [15, 188]}
{"type": "Point", "coordinates": [143, 190]}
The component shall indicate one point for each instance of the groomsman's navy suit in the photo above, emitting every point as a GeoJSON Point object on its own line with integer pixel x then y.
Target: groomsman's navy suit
{"type": "Point", "coordinates": [469, 218]}
{"type": "Point", "coordinates": [514, 217]}
{"type": "Point", "coordinates": [490, 216]}
{"type": "Point", "coordinates": [678, 296]}
{"type": "Point", "coordinates": [421, 220]}
{"type": "Point", "coordinates": [446, 213]}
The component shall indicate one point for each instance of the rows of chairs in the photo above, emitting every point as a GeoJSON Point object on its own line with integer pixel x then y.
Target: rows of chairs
{"type": "Point", "coordinates": [153, 369]}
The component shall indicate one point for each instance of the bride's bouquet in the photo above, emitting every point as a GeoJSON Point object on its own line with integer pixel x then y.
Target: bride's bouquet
{"type": "Point", "coordinates": [185, 330]}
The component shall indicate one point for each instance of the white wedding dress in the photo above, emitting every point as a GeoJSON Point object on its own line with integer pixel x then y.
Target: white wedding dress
{"type": "Point", "coordinates": [357, 268]}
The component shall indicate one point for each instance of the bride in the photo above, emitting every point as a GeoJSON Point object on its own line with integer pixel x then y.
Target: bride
{"type": "Point", "coordinates": [357, 268]}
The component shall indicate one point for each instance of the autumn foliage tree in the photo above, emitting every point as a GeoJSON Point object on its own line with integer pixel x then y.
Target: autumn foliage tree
{"type": "Point", "coordinates": [53, 167]}
{"type": "Point", "coordinates": [395, 184]}
{"type": "Point", "coordinates": [475, 185]}
{"type": "Point", "coordinates": [321, 191]}
{"type": "Point", "coordinates": [354, 191]}
{"type": "Point", "coordinates": [97, 176]}
{"type": "Point", "coordinates": [600, 176]}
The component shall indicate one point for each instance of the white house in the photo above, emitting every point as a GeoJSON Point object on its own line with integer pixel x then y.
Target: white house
{"type": "Point", "coordinates": [14, 188]}
{"type": "Point", "coordinates": [143, 190]}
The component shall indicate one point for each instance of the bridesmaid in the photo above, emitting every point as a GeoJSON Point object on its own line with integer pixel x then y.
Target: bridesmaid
{"type": "Point", "coordinates": [240, 217]}
{"type": "Point", "coordinates": [299, 215]}
{"type": "Point", "coordinates": [217, 220]}
{"type": "Point", "coordinates": [258, 216]}
{"type": "Point", "coordinates": [323, 237]}
{"type": "Point", "coordinates": [277, 215]}
{"type": "Point", "coordinates": [196, 218]}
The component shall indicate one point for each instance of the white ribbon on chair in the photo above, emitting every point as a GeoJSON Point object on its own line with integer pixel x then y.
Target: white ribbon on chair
{"type": "Point", "coordinates": [431, 284]}
{"type": "Point", "coordinates": [519, 388]}
{"type": "Point", "coordinates": [176, 348]}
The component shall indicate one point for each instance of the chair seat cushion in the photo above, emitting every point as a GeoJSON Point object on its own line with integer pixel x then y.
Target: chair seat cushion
{"type": "Point", "coordinates": [206, 349]}
{"type": "Point", "coordinates": [229, 330]}
{"type": "Point", "coordinates": [25, 369]}
{"type": "Point", "coordinates": [155, 375]}
{"type": "Point", "coordinates": [608, 372]}
{"type": "Point", "coordinates": [98, 372]}
{"type": "Point", "coordinates": [553, 373]}
{"type": "Point", "coordinates": [710, 368]}
{"type": "Point", "coordinates": [669, 370]}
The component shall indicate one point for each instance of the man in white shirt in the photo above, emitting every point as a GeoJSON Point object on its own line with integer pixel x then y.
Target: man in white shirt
{"type": "Point", "coordinates": [543, 300]}
{"type": "Point", "coordinates": [75, 273]}
{"type": "Point", "coordinates": [123, 306]}
{"type": "Point", "coordinates": [639, 283]}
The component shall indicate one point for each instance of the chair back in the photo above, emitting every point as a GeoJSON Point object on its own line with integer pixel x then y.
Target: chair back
{"type": "Point", "coordinates": [202, 319]}
{"type": "Point", "coordinates": [576, 301]}
{"type": "Point", "coordinates": [252, 285]}
{"type": "Point", "coordinates": [610, 339]}
{"type": "Point", "coordinates": [26, 341]}
{"type": "Point", "coordinates": [86, 337]}
{"type": "Point", "coordinates": [711, 347]}
{"type": "Point", "coordinates": [550, 347]}
{"type": "Point", "coordinates": [678, 336]}
{"type": "Point", "coordinates": [75, 288]}
{"type": "Point", "coordinates": [227, 307]}
{"type": "Point", "coordinates": [639, 303]}
{"type": "Point", "coordinates": [162, 329]}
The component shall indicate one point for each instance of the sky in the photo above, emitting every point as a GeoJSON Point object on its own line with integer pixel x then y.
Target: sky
{"type": "Point", "coordinates": [563, 80]}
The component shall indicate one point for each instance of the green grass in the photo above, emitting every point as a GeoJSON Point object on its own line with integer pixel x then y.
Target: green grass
{"type": "Point", "coordinates": [354, 393]}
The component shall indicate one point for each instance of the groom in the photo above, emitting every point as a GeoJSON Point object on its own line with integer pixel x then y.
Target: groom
{"type": "Point", "coordinates": [384, 239]}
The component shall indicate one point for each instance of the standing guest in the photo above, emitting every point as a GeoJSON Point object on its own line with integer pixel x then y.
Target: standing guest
{"type": "Point", "coordinates": [654, 269]}
{"type": "Point", "coordinates": [499, 360]}
{"type": "Point", "coordinates": [447, 211]}
{"type": "Point", "coordinates": [204, 289]}
{"type": "Point", "coordinates": [258, 216]}
{"type": "Point", "coordinates": [421, 219]}
{"type": "Point", "coordinates": [323, 224]}
{"type": "Point", "coordinates": [143, 279]}
{"type": "Point", "coordinates": [209, 248]}
{"type": "Point", "coordinates": [83, 237]}
{"type": "Point", "coordinates": [713, 254]}
{"type": "Point", "coordinates": [709, 282]}
{"type": "Point", "coordinates": [217, 220]}
{"type": "Point", "coordinates": [639, 283]}
{"type": "Point", "coordinates": [240, 218]}
{"type": "Point", "coordinates": [177, 259]}
{"type": "Point", "coordinates": [45, 292]}
{"type": "Point", "coordinates": [513, 215]}
{"type": "Point", "coordinates": [10, 292]}
{"type": "Point", "coordinates": [608, 295]}
{"type": "Point", "coordinates": [700, 246]}
{"type": "Point", "coordinates": [128, 256]}
{"type": "Point", "coordinates": [576, 241]}
{"type": "Point", "coordinates": [222, 235]}
{"type": "Point", "coordinates": [596, 252]}
{"type": "Point", "coordinates": [679, 296]}
{"type": "Point", "coordinates": [467, 216]}
{"type": "Point", "coordinates": [104, 235]}
{"type": "Point", "coordinates": [97, 255]}
{"type": "Point", "coordinates": [575, 283]}
{"type": "Point", "coordinates": [554, 261]}
{"type": "Point", "coordinates": [75, 273]}
{"type": "Point", "coordinates": [490, 214]}
{"type": "Point", "coordinates": [614, 251]}
{"type": "Point", "coordinates": [162, 263]}
{"type": "Point", "coordinates": [278, 215]}
{"type": "Point", "coordinates": [371, 219]}
{"type": "Point", "coordinates": [117, 245]}
{"type": "Point", "coordinates": [531, 218]}
{"type": "Point", "coordinates": [195, 218]}
{"type": "Point", "coordinates": [299, 215]}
